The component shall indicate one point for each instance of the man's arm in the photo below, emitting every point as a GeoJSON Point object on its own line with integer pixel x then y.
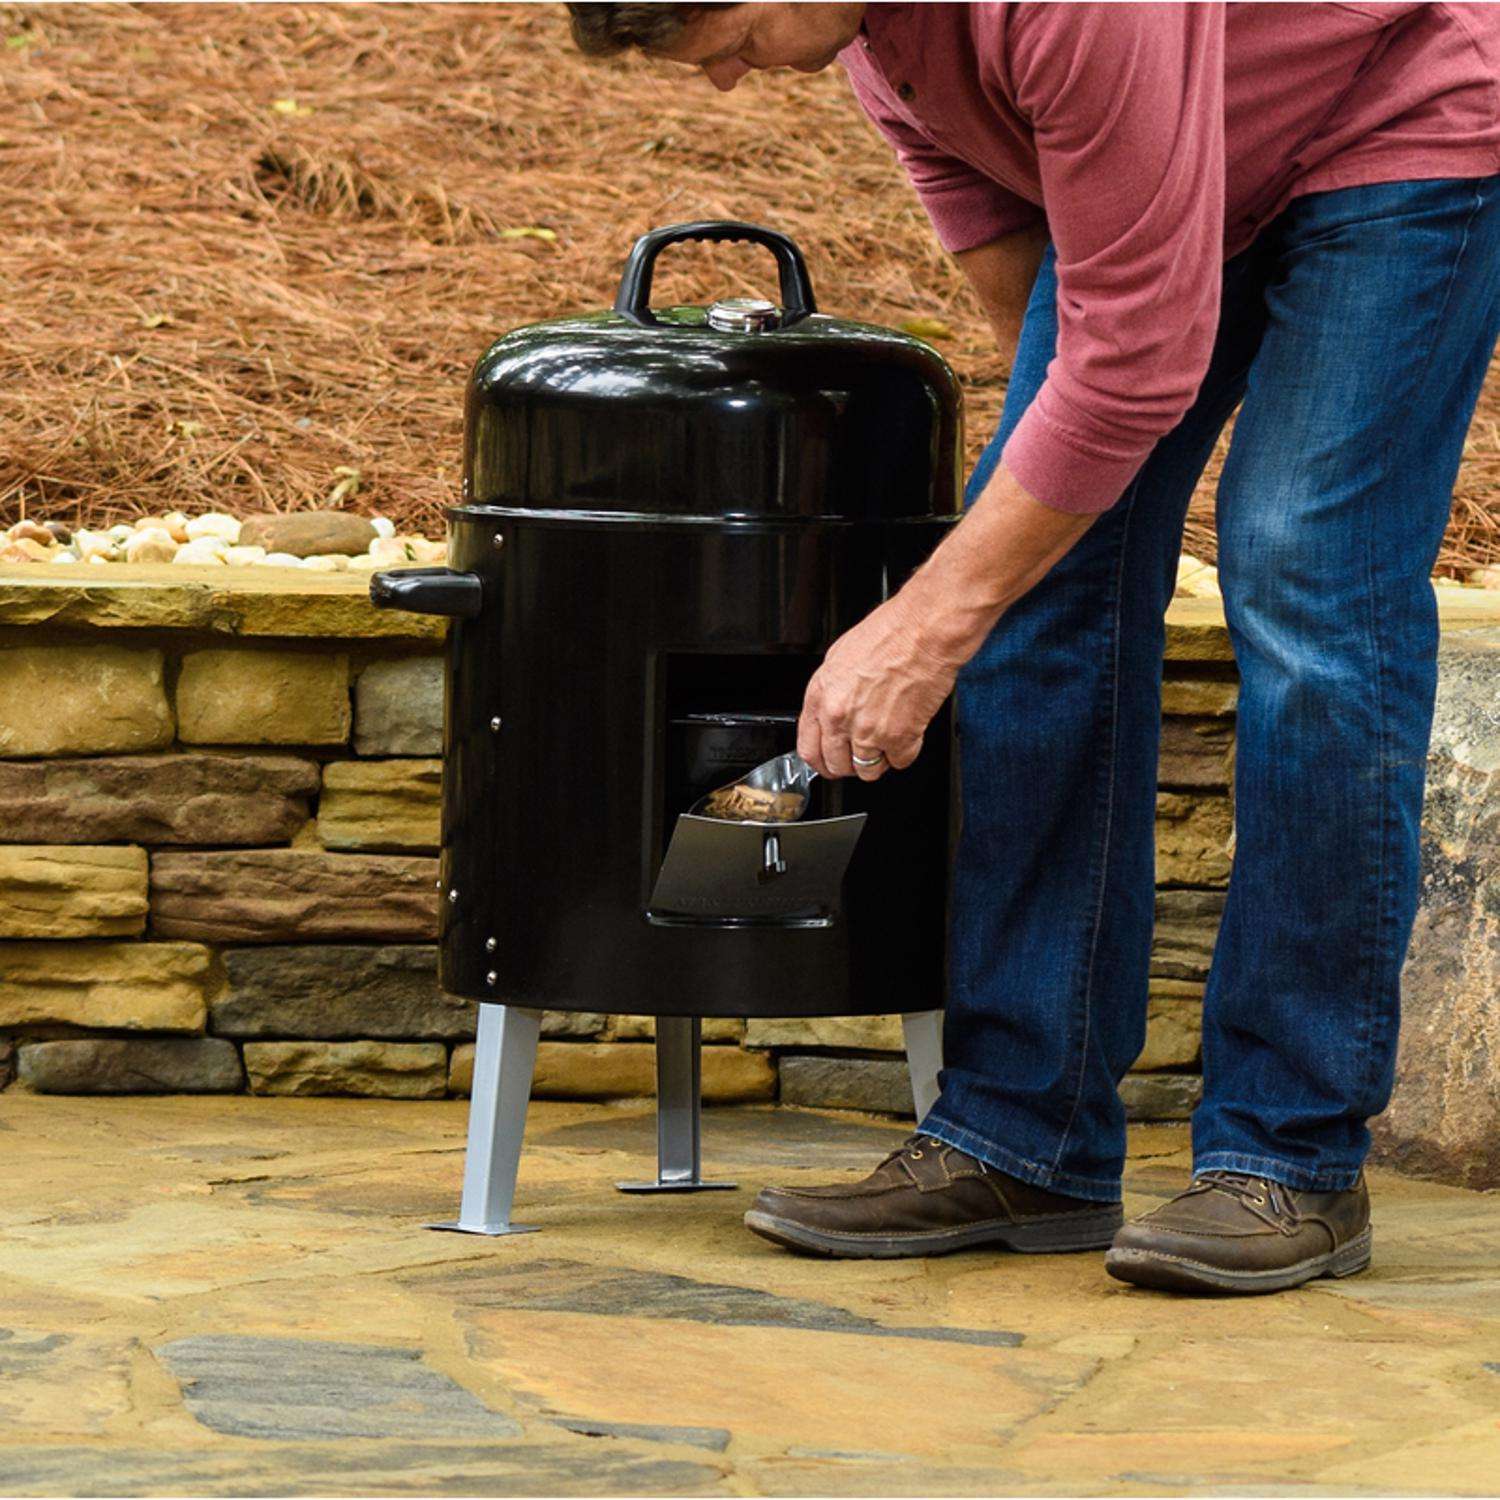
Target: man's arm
{"type": "Point", "coordinates": [882, 682]}
{"type": "Point", "coordinates": [1002, 274]}
{"type": "Point", "coordinates": [1005, 545]}
{"type": "Point", "coordinates": [1009, 540]}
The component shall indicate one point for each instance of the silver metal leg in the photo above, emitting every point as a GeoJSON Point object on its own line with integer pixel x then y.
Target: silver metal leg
{"type": "Point", "coordinates": [504, 1060]}
{"type": "Point", "coordinates": [679, 1087]}
{"type": "Point", "coordinates": [922, 1032]}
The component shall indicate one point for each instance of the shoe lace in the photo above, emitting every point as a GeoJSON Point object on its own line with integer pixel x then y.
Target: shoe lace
{"type": "Point", "coordinates": [1269, 1201]}
{"type": "Point", "coordinates": [916, 1147]}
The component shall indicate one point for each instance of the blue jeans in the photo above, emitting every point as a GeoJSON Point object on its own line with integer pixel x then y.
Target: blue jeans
{"type": "Point", "coordinates": [1356, 332]}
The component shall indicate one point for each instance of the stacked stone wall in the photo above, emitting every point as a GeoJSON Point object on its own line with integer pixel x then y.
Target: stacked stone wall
{"type": "Point", "coordinates": [219, 811]}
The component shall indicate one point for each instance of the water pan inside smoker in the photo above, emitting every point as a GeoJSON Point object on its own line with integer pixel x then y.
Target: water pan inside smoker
{"type": "Point", "coordinates": [717, 872]}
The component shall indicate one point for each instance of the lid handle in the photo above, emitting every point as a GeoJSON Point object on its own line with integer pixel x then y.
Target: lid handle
{"type": "Point", "coordinates": [634, 298]}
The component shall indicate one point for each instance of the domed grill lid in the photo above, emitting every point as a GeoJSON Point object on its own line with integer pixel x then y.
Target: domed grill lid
{"type": "Point", "coordinates": [743, 410]}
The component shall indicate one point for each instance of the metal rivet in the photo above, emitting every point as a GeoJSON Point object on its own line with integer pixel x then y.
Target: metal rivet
{"type": "Point", "coordinates": [490, 945]}
{"type": "Point", "coordinates": [453, 894]}
{"type": "Point", "coordinates": [495, 725]}
{"type": "Point", "coordinates": [492, 978]}
{"type": "Point", "coordinates": [498, 541]}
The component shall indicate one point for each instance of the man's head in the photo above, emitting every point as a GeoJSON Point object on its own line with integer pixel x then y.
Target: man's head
{"type": "Point", "coordinates": [726, 41]}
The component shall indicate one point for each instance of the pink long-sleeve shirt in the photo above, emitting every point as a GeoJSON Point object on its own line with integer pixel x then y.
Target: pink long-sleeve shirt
{"type": "Point", "coordinates": [1155, 141]}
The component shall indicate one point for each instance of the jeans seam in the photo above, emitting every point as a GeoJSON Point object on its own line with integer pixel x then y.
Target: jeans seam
{"type": "Point", "coordinates": [1102, 877]}
{"type": "Point", "coordinates": [1302, 1179]}
{"type": "Point", "coordinates": [1383, 919]}
{"type": "Point", "coordinates": [1024, 1168]}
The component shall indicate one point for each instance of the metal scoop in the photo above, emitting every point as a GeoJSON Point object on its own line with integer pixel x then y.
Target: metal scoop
{"type": "Point", "coordinates": [776, 792]}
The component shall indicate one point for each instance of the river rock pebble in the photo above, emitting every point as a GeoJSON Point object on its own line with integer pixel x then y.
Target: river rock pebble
{"type": "Point", "coordinates": [331, 541]}
{"type": "Point", "coordinates": [23, 549]}
{"type": "Point", "coordinates": [150, 545]}
{"type": "Point", "coordinates": [91, 544]}
{"type": "Point", "coordinates": [215, 524]}
{"type": "Point", "coordinates": [203, 549]}
{"type": "Point", "coordinates": [318, 541]}
{"type": "Point", "coordinates": [390, 549]}
{"type": "Point", "coordinates": [308, 533]}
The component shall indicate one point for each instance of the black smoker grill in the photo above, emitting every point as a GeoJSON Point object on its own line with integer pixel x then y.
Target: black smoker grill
{"type": "Point", "coordinates": [669, 516]}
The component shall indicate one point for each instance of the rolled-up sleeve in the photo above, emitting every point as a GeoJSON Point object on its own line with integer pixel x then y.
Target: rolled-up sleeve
{"type": "Point", "coordinates": [967, 209]}
{"type": "Point", "coordinates": [1126, 102]}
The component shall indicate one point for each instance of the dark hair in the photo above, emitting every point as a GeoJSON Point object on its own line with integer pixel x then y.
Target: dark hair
{"type": "Point", "coordinates": [603, 30]}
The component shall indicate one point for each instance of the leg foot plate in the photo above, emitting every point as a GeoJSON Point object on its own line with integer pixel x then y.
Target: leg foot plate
{"type": "Point", "coordinates": [675, 1187]}
{"type": "Point", "coordinates": [492, 1230]}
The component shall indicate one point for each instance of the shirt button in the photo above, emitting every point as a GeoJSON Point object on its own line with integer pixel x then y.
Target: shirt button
{"type": "Point", "coordinates": [906, 93]}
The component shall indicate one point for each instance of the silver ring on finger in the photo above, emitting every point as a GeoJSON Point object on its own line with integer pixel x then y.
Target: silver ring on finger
{"type": "Point", "coordinates": [868, 760]}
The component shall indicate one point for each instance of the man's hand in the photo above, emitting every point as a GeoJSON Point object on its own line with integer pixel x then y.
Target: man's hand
{"type": "Point", "coordinates": [882, 682]}
{"type": "Point", "coordinates": [874, 696]}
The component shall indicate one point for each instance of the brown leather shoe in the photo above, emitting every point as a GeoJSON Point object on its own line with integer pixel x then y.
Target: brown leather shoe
{"type": "Point", "coordinates": [927, 1198]}
{"type": "Point", "coordinates": [1230, 1232]}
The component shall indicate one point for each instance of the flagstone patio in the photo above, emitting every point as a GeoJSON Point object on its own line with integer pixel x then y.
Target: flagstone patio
{"type": "Point", "coordinates": [235, 1295]}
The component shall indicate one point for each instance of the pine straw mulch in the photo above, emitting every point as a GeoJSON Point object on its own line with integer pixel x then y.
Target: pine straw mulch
{"type": "Point", "coordinates": [249, 254]}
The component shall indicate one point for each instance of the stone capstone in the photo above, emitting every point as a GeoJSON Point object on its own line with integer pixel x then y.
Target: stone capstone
{"type": "Point", "coordinates": [71, 890]}
{"type": "Point", "coordinates": [398, 707]}
{"type": "Point", "coordinates": [1196, 753]}
{"type": "Point", "coordinates": [1444, 1116]}
{"type": "Point", "coordinates": [336, 993]}
{"type": "Point", "coordinates": [880, 1085]}
{"type": "Point", "coordinates": [76, 700]}
{"type": "Point", "coordinates": [132, 1065]}
{"type": "Point", "coordinates": [381, 805]}
{"type": "Point", "coordinates": [293, 895]}
{"type": "Point", "coordinates": [1187, 922]}
{"type": "Point", "coordinates": [192, 798]}
{"type": "Point", "coordinates": [368, 1069]}
{"type": "Point", "coordinates": [1193, 835]}
{"type": "Point", "coordinates": [873, 1033]}
{"type": "Point", "coordinates": [309, 533]}
{"type": "Point", "coordinates": [260, 696]}
{"type": "Point", "coordinates": [210, 600]}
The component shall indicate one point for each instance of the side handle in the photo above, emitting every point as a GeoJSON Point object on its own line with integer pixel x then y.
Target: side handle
{"type": "Point", "coordinates": [428, 591]}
